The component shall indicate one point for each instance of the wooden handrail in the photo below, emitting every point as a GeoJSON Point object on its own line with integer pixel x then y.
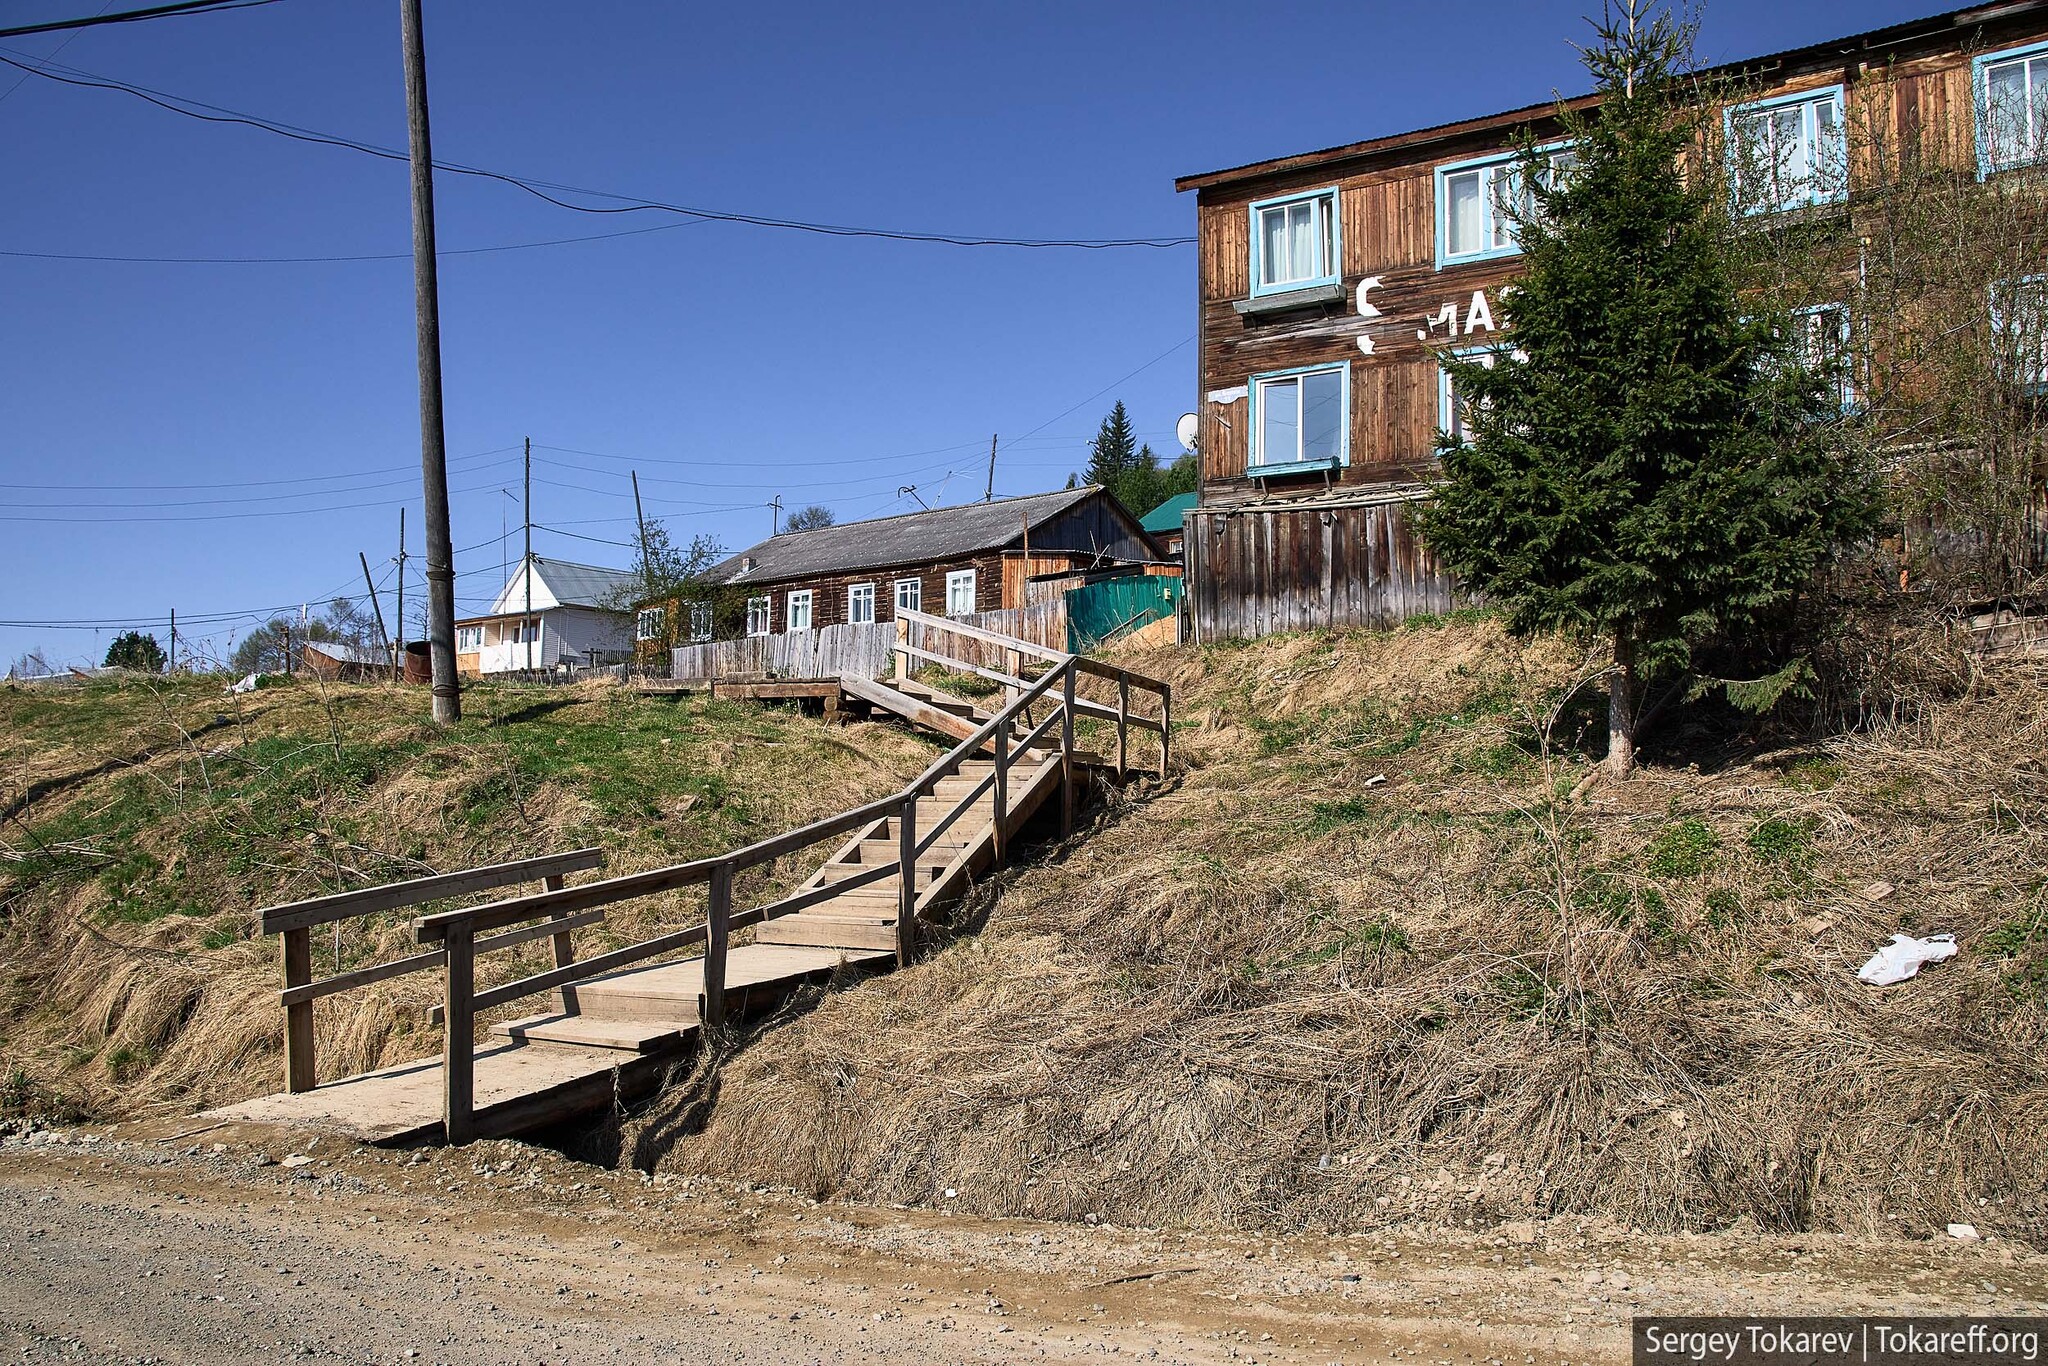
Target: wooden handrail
{"type": "Point", "coordinates": [961, 628]}
{"type": "Point", "coordinates": [322, 910]}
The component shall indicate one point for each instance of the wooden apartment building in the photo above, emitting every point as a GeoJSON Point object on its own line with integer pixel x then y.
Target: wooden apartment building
{"type": "Point", "coordinates": [1330, 282]}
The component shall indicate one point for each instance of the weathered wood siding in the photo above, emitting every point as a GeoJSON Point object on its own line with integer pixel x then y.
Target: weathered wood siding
{"type": "Point", "coordinates": [1256, 571]}
{"type": "Point", "coordinates": [865, 650]}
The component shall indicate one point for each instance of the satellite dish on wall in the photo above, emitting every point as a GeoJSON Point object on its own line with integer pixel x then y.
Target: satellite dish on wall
{"type": "Point", "coordinates": [1188, 429]}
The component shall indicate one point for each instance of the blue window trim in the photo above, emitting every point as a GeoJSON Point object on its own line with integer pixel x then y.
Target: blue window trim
{"type": "Point", "coordinates": [1445, 418]}
{"type": "Point", "coordinates": [1443, 217]}
{"type": "Point", "coordinates": [2035, 388]}
{"type": "Point", "coordinates": [1330, 277]}
{"type": "Point", "coordinates": [1253, 470]}
{"type": "Point", "coordinates": [1980, 97]}
{"type": "Point", "coordinates": [1814, 96]}
{"type": "Point", "coordinates": [1851, 393]}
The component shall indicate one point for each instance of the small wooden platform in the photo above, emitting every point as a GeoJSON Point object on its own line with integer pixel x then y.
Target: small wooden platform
{"type": "Point", "coordinates": [526, 1080]}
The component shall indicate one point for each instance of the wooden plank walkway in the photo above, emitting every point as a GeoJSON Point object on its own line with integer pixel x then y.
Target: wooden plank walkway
{"type": "Point", "coordinates": [618, 1020]}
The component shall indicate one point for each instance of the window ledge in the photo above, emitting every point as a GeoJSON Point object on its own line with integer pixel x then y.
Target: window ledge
{"type": "Point", "coordinates": [1306, 297]}
{"type": "Point", "coordinates": [1291, 467]}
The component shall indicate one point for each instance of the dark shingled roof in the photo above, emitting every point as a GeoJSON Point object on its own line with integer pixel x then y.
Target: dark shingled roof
{"type": "Point", "coordinates": [913, 538]}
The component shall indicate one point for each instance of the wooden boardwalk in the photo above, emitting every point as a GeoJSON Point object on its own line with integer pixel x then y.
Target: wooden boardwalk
{"type": "Point", "coordinates": [619, 1020]}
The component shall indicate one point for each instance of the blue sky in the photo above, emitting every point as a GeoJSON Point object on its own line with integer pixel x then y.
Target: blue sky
{"type": "Point", "coordinates": [159, 408]}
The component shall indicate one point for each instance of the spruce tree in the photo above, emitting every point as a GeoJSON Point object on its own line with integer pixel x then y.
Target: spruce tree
{"type": "Point", "coordinates": [1114, 449]}
{"type": "Point", "coordinates": [134, 650]}
{"type": "Point", "coordinates": [1642, 460]}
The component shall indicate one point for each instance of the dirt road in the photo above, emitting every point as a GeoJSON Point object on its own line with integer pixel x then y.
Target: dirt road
{"type": "Point", "coordinates": [165, 1244]}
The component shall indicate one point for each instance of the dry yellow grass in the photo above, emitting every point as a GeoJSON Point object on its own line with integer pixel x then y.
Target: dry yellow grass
{"type": "Point", "coordinates": [1281, 994]}
{"type": "Point", "coordinates": [134, 859]}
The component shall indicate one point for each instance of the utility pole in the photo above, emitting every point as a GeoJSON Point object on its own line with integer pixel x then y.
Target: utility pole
{"type": "Point", "coordinates": [526, 514]}
{"type": "Point", "coordinates": [990, 496]}
{"type": "Point", "coordinates": [398, 655]}
{"type": "Point", "coordinates": [433, 435]}
{"type": "Point", "coordinates": [382, 634]}
{"type": "Point", "coordinates": [172, 667]}
{"type": "Point", "coordinates": [640, 520]}
{"type": "Point", "coordinates": [775, 515]}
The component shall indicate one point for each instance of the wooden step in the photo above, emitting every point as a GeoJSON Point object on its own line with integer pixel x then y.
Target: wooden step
{"type": "Point", "coordinates": [631, 1036]}
{"type": "Point", "coordinates": [825, 931]}
{"type": "Point", "coordinates": [669, 991]}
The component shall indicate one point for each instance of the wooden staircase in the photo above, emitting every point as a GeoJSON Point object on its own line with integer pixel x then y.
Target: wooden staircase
{"type": "Point", "coordinates": [618, 1018]}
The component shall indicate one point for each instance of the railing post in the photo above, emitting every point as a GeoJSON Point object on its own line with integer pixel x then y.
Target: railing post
{"type": "Point", "coordinates": [1165, 729]}
{"type": "Point", "coordinates": [565, 949]}
{"type": "Point", "coordinates": [1013, 665]}
{"type": "Point", "coordinates": [458, 1037]}
{"type": "Point", "coordinates": [716, 931]}
{"type": "Point", "coordinates": [906, 874]}
{"type": "Point", "coordinates": [298, 1019]}
{"type": "Point", "coordinates": [1123, 725]}
{"type": "Point", "coordinates": [1002, 789]}
{"type": "Point", "coordinates": [901, 654]}
{"type": "Point", "coordinates": [1067, 750]}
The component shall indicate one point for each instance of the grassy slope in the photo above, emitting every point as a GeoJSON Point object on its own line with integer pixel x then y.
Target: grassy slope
{"type": "Point", "coordinates": [147, 822]}
{"type": "Point", "coordinates": [1284, 995]}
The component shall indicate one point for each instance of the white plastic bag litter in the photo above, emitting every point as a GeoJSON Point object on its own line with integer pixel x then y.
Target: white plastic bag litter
{"type": "Point", "coordinates": [1903, 957]}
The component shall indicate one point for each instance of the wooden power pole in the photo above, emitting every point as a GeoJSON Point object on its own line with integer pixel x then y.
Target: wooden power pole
{"type": "Point", "coordinates": [433, 435]}
{"type": "Point", "coordinates": [398, 655]}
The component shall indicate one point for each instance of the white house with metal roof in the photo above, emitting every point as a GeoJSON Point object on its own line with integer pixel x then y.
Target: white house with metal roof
{"type": "Point", "coordinates": [550, 614]}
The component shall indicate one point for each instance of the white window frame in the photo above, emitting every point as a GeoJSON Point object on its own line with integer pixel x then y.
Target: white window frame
{"type": "Point", "coordinates": [2032, 351]}
{"type": "Point", "coordinates": [2033, 63]}
{"type": "Point", "coordinates": [860, 604]}
{"type": "Point", "coordinates": [1498, 179]}
{"type": "Point", "coordinates": [801, 597]}
{"type": "Point", "coordinates": [1450, 420]}
{"type": "Point", "coordinates": [648, 621]}
{"type": "Point", "coordinates": [956, 581]}
{"type": "Point", "coordinates": [1827, 154]}
{"type": "Point", "coordinates": [700, 621]}
{"type": "Point", "coordinates": [915, 595]}
{"type": "Point", "coordinates": [761, 615]}
{"type": "Point", "coordinates": [1326, 231]}
{"type": "Point", "coordinates": [1261, 462]}
{"type": "Point", "coordinates": [469, 640]}
{"type": "Point", "coordinates": [1810, 322]}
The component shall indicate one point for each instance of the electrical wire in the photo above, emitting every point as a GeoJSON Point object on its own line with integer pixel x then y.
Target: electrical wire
{"type": "Point", "coordinates": [331, 260]}
{"type": "Point", "coordinates": [255, 483]}
{"type": "Point", "coordinates": [183, 7]}
{"type": "Point", "coordinates": [539, 189]}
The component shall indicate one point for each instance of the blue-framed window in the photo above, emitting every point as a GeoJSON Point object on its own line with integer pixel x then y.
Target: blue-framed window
{"type": "Point", "coordinates": [2019, 329]}
{"type": "Point", "coordinates": [1301, 420]}
{"type": "Point", "coordinates": [2012, 108]}
{"type": "Point", "coordinates": [1295, 242]}
{"type": "Point", "coordinates": [1788, 152]}
{"type": "Point", "coordinates": [1451, 407]}
{"type": "Point", "coordinates": [1477, 203]}
{"type": "Point", "coordinates": [1820, 341]}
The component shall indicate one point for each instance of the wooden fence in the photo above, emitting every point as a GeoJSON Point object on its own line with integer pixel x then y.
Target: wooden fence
{"type": "Point", "coordinates": [862, 650]}
{"type": "Point", "coordinates": [1257, 571]}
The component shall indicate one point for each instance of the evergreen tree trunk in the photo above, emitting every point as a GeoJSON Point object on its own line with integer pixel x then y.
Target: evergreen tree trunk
{"type": "Point", "coordinates": [1621, 708]}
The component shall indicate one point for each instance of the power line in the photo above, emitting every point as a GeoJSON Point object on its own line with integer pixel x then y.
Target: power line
{"type": "Point", "coordinates": [134, 16]}
{"type": "Point", "coordinates": [254, 498]}
{"type": "Point", "coordinates": [331, 260]}
{"type": "Point", "coordinates": [539, 189]}
{"type": "Point", "coordinates": [232, 516]}
{"type": "Point", "coordinates": [252, 483]}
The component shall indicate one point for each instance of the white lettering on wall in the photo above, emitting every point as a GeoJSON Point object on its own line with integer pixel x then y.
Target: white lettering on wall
{"type": "Point", "coordinates": [1477, 314]}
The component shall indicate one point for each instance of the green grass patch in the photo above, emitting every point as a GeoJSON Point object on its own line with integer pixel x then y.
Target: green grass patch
{"type": "Point", "coordinates": [1788, 843]}
{"type": "Point", "coordinates": [1683, 851]}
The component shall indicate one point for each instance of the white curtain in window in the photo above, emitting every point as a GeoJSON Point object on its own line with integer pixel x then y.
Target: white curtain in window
{"type": "Point", "coordinates": [1279, 421]}
{"type": "Point", "coordinates": [2009, 111]}
{"type": "Point", "coordinates": [1322, 415]}
{"type": "Point", "coordinates": [1464, 213]}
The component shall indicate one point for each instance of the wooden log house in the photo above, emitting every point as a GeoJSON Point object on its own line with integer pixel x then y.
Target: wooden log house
{"type": "Point", "coordinates": [1330, 282]}
{"type": "Point", "coordinates": [950, 561]}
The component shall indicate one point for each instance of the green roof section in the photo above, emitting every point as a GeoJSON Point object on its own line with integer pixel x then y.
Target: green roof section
{"type": "Point", "coordinates": [1167, 516]}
